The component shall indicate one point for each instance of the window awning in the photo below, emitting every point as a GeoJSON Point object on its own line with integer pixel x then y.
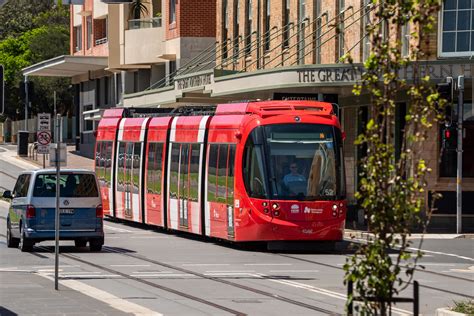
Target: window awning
{"type": "Point", "coordinates": [66, 66]}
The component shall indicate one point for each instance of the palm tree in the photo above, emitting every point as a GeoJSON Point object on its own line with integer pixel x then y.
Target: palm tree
{"type": "Point", "coordinates": [137, 8]}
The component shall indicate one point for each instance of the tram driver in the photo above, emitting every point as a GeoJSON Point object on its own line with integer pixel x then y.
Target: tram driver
{"type": "Point", "coordinates": [294, 181]}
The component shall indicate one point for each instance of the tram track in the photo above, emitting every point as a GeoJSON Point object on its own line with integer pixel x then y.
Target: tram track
{"type": "Point", "coordinates": [199, 275]}
{"type": "Point", "coordinates": [411, 283]}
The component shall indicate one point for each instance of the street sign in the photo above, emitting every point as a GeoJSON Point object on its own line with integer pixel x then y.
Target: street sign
{"type": "Point", "coordinates": [44, 122]}
{"type": "Point", "coordinates": [43, 134]}
{"type": "Point", "coordinates": [62, 154]}
{"type": "Point", "coordinates": [43, 137]}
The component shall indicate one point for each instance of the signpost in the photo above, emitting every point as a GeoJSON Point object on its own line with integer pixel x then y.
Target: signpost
{"type": "Point", "coordinates": [58, 189]}
{"type": "Point", "coordinates": [43, 134]}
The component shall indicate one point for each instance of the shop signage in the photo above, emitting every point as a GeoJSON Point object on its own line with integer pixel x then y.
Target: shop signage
{"type": "Point", "coordinates": [325, 75]}
{"type": "Point", "coordinates": [194, 81]}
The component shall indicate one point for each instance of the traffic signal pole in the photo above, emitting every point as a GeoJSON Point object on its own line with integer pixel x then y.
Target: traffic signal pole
{"type": "Point", "coordinates": [459, 155]}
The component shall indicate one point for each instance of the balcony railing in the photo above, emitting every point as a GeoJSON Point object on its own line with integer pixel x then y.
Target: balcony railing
{"type": "Point", "coordinates": [144, 23]}
{"type": "Point", "coordinates": [101, 41]}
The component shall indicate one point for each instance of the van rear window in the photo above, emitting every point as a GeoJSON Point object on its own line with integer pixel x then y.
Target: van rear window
{"type": "Point", "coordinates": [72, 185]}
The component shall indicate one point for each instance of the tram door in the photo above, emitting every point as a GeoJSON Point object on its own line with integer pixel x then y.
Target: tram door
{"type": "Point", "coordinates": [128, 181]}
{"type": "Point", "coordinates": [184, 185]}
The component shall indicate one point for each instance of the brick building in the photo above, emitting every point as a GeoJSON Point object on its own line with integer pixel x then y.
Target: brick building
{"type": "Point", "coordinates": [287, 49]}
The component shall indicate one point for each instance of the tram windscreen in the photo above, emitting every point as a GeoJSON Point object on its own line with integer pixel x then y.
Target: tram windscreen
{"type": "Point", "coordinates": [298, 161]}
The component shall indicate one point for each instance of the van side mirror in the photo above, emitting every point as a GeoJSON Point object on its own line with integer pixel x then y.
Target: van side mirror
{"type": "Point", "coordinates": [7, 195]}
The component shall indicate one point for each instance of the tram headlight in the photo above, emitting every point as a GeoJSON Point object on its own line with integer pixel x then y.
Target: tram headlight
{"type": "Point", "coordinates": [334, 207]}
{"type": "Point", "coordinates": [276, 213]}
{"type": "Point", "coordinates": [334, 213]}
{"type": "Point", "coordinates": [266, 210]}
{"type": "Point", "coordinates": [275, 206]}
{"type": "Point", "coordinates": [264, 204]}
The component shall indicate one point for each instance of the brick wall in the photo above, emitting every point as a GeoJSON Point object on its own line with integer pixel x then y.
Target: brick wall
{"type": "Point", "coordinates": [193, 19]}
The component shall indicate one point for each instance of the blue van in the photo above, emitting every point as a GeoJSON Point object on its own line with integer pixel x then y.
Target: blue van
{"type": "Point", "coordinates": [31, 216]}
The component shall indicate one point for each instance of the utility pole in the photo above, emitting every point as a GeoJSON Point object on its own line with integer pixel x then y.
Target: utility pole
{"type": "Point", "coordinates": [58, 196]}
{"type": "Point", "coordinates": [459, 155]}
{"type": "Point", "coordinates": [26, 103]}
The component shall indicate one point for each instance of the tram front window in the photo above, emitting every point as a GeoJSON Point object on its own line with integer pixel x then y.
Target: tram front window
{"type": "Point", "coordinates": [304, 162]}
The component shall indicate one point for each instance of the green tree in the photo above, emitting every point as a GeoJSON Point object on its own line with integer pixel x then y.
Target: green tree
{"type": "Point", "coordinates": [392, 189]}
{"type": "Point", "coordinates": [17, 16]}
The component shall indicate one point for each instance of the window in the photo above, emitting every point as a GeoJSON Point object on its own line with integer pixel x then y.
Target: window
{"type": "Point", "coordinates": [72, 185]}
{"type": "Point", "coordinates": [286, 23]}
{"type": "Point", "coordinates": [457, 29]}
{"type": "Point", "coordinates": [137, 154]}
{"type": "Point", "coordinates": [448, 164]}
{"type": "Point", "coordinates": [172, 11]}
{"type": "Point", "coordinates": [21, 186]}
{"type": "Point", "coordinates": [121, 167]}
{"type": "Point", "coordinates": [266, 33]}
{"type": "Point", "coordinates": [88, 125]}
{"type": "Point", "coordinates": [236, 29]}
{"type": "Point", "coordinates": [100, 31]}
{"type": "Point", "coordinates": [367, 22]}
{"type": "Point", "coordinates": [225, 29]}
{"type": "Point", "coordinates": [89, 32]}
{"type": "Point", "coordinates": [106, 90]}
{"type": "Point", "coordinates": [212, 173]}
{"type": "Point", "coordinates": [174, 170]}
{"type": "Point", "coordinates": [194, 172]}
{"type": "Point", "coordinates": [220, 185]}
{"type": "Point", "coordinates": [341, 29]}
{"type": "Point", "coordinates": [154, 172]}
{"type": "Point", "coordinates": [77, 38]}
{"type": "Point", "coordinates": [221, 174]}
{"type": "Point", "coordinates": [405, 40]}
{"type": "Point", "coordinates": [248, 28]}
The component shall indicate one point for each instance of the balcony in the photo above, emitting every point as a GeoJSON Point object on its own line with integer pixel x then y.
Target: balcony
{"type": "Point", "coordinates": [144, 41]}
{"type": "Point", "coordinates": [144, 23]}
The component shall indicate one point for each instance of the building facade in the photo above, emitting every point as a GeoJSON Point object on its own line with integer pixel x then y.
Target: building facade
{"type": "Point", "coordinates": [292, 49]}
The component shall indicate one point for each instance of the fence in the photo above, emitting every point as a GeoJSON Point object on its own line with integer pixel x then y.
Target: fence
{"type": "Point", "coordinates": [9, 130]}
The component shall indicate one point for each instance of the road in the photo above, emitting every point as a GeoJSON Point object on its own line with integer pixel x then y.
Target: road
{"type": "Point", "coordinates": [143, 270]}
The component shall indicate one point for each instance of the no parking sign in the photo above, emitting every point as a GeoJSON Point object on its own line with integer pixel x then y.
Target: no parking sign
{"type": "Point", "coordinates": [43, 135]}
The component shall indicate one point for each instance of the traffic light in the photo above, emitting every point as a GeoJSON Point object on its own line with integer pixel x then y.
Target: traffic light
{"type": "Point", "coordinates": [449, 136]}
{"type": "Point", "coordinates": [446, 90]}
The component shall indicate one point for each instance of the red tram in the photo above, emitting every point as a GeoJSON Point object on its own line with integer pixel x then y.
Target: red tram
{"type": "Point", "coordinates": [256, 171]}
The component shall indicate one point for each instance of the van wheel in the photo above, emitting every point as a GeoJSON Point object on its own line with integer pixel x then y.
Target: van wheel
{"type": "Point", "coordinates": [25, 243]}
{"type": "Point", "coordinates": [11, 241]}
{"type": "Point", "coordinates": [96, 245]}
{"type": "Point", "coordinates": [79, 243]}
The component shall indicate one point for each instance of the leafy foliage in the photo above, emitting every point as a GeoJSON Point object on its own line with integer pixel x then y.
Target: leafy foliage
{"type": "Point", "coordinates": [137, 8]}
{"type": "Point", "coordinates": [466, 307]}
{"type": "Point", "coordinates": [46, 35]}
{"type": "Point", "coordinates": [392, 189]}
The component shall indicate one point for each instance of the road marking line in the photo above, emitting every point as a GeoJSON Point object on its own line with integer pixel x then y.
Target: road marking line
{"type": "Point", "coordinates": [323, 291]}
{"type": "Point", "coordinates": [425, 251]}
{"type": "Point", "coordinates": [108, 298]}
{"type": "Point", "coordinates": [129, 265]}
{"type": "Point", "coordinates": [88, 276]}
{"type": "Point", "coordinates": [204, 264]}
{"type": "Point", "coordinates": [163, 275]}
{"type": "Point", "coordinates": [145, 272]}
{"type": "Point", "coordinates": [118, 229]}
{"type": "Point", "coordinates": [251, 271]}
{"type": "Point", "coordinates": [468, 270]}
{"type": "Point", "coordinates": [268, 264]}
{"type": "Point", "coordinates": [293, 271]}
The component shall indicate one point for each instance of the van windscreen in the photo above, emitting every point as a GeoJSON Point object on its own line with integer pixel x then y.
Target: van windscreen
{"type": "Point", "coordinates": [72, 185]}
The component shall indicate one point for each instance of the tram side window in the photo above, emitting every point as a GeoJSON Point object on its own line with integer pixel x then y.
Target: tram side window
{"type": "Point", "coordinates": [174, 167]}
{"type": "Point", "coordinates": [137, 153]}
{"type": "Point", "coordinates": [121, 166]}
{"type": "Point", "coordinates": [221, 174]}
{"type": "Point", "coordinates": [253, 169]}
{"type": "Point", "coordinates": [212, 173]}
{"type": "Point", "coordinates": [107, 160]}
{"type": "Point", "coordinates": [98, 160]}
{"type": "Point", "coordinates": [183, 172]}
{"type": "Point", "coordinates": [230, 175]}
{"type": "Point", "coordinates": [194, 172]}
{"type": "Point", "coordinates": [154, 171]}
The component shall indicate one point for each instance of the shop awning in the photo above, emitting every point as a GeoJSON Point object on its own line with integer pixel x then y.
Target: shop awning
{"type": "Point", "coordinates": [66, 66]}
